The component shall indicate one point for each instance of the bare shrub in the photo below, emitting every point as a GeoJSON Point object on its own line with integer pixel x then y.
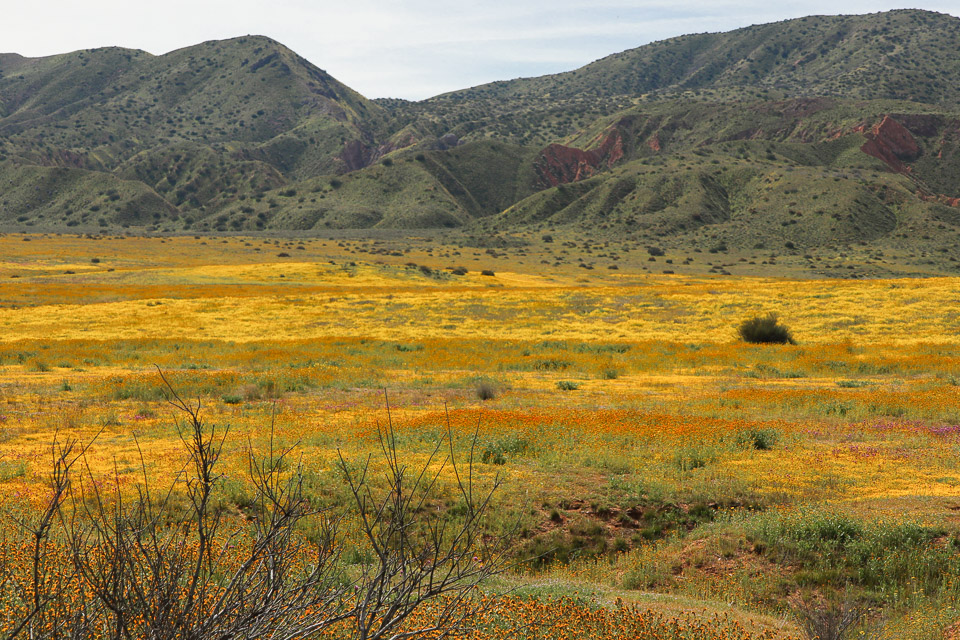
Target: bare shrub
{"type": "Point", "coordinates": [169, 562]}
{"type": "Point", "coordinates": [834, 621]}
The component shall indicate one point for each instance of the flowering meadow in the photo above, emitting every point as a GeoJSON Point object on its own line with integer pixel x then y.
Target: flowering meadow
{"type": "Point", "coordinates": [661, 479]}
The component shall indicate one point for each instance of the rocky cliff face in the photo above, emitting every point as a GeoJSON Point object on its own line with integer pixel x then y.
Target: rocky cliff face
{"type": "Point", "coordinates": [558, 164]}
{"type": "Point", "coordinates": [890, 142]}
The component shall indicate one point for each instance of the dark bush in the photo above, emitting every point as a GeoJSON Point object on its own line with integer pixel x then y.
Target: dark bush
{"type": "Point", "coordinates": [765, 330]}
{"type": "Point", "coordinates": [759, 439]}
{"type": "Point", "coordinates": [486, 390]}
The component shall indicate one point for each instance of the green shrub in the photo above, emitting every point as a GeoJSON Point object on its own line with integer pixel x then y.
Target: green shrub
{"type": "Point", "coordinates": [567, 385]}
{"type": "Point", "coordinates": [12, 469]}
{"type": "Point", "coordinates": [500, 450]}
{"type": "Point", "coordinates": [759, 439]}
{"type": "Point", "coordinates": [884, 559]}
{"type": "Point", "coordinates": [492, 455]}
{"type": "Point", "coordinates": [551, 364]}
{"type": "Point", "coordinates": [852, 384]}
{"type": "Point", "coordinates": [765, 330]}
{"type": "Point", "coordinates": [694, 457]}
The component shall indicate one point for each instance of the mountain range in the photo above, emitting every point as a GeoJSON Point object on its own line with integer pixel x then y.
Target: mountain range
{"type": "Point", "coordinates": [814, 132]}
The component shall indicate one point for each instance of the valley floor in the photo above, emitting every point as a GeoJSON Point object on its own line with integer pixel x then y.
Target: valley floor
{"type": "Point", "coordinates": [654, 462]}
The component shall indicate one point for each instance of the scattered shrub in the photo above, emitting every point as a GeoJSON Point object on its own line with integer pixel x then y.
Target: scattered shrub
{"type": "Point", "coordinates": [486, 390]}
{"type": "Point", "coordinates": [830, 621]}
{"type": "Point", "coordinates": [567, 385]}
{"type": "Point", "coordinates": [852, 384]}
{"type": "Point", "coordinates": [551, 364]}
{"type": "Point", "coordinates": [765, 330]}
{"type": "Point", "coordinates": [498, 451]}
{"type": "Point", "coordinates": [12, 469]}
{"type": "Point", "coordinates": [690, 458]}
{"type": "Point", "coordinates": [759, 439]}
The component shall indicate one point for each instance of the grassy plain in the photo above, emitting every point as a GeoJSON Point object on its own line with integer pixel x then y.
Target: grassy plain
{"type": "Point", "coordinates": [669, 480]}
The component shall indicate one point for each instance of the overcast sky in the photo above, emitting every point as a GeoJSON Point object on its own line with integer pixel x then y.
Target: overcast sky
{"type": "Point", "coordinates": [406, 48]}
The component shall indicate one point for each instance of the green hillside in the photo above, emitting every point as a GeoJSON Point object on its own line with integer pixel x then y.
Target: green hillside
{"type": "Point", "coordinates": [904, 55]}
{"type": "Point", "coordinates": [801, 135]}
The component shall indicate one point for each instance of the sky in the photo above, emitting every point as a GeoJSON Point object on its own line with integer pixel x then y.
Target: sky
{"type": "Point", "coordinates": [409, 49]}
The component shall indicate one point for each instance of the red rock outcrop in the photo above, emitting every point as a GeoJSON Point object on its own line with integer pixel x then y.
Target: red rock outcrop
{"type": "Point", "coordinates": [559, 164]}
{"type": "Point", "coordinates": [890, 142]}
{"type": "Point", "coordinates": [893, 143]}
{"type": "Point", "coordinates": [924, 125]}
{"type": "Point", "coordinates": [942, 199]}
{"type": "Point", "coordinates": [355, 155]}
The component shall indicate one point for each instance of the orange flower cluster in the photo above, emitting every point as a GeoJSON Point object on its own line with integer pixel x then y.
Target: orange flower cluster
{"type": "Point", "coordinates": [568, 618]}
{"type": "Point", "coordinates": [609, 422]}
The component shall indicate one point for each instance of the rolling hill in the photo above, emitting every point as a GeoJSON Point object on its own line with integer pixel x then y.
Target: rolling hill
{"type": "Point", "coordinates": [808, 133]}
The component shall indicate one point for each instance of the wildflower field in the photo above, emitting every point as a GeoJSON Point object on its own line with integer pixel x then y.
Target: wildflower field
{"type": "Point", "coordinates": [664, 480]}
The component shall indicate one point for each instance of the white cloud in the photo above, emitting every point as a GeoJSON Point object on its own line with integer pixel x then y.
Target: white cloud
{"type": "Point", "coordinates": [405, 48]}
